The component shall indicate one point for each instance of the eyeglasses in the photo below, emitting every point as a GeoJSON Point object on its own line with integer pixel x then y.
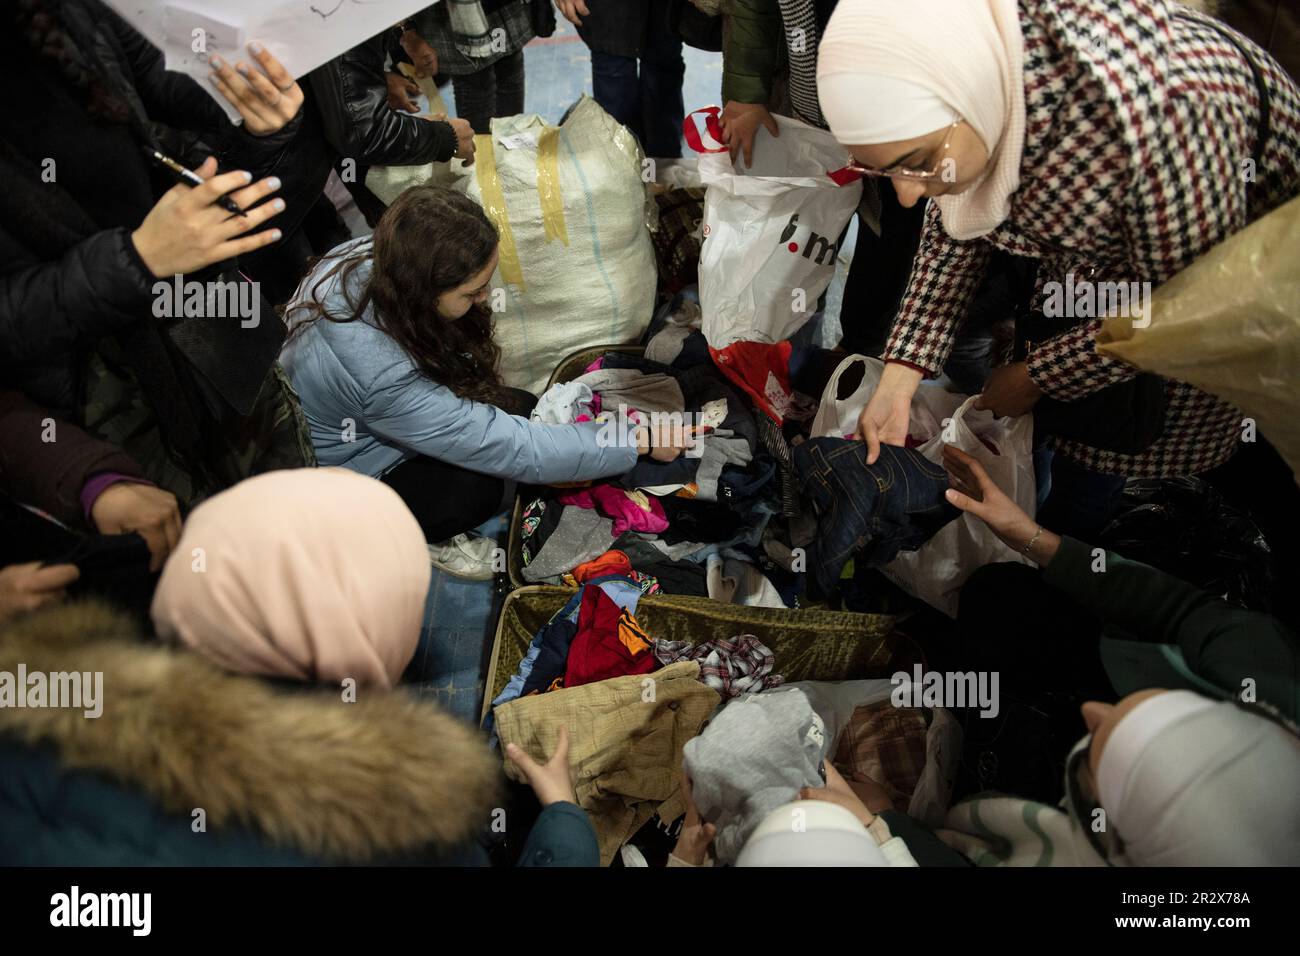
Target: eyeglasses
{"type": "Point", "coordinates": [897, 172]}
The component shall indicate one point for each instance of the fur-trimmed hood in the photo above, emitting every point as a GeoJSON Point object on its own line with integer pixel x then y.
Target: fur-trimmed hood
{"type": "Point", "coordinates": [346, 782]}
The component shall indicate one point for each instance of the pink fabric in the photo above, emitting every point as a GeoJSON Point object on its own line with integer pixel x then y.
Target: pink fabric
{"type": "Point", "coordinates": [312, 574]}
{"type": "Point", "coordinates": [630, 510]}
{"type": "Point", "coordinates": [968, 53]}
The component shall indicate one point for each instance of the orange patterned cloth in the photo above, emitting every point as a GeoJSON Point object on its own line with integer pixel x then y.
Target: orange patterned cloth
{"type": "Point", "coordinates": [611, 562]}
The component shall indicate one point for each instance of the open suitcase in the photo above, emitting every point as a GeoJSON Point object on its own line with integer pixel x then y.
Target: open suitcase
{"type": "Point", "coordinates": [807, 644]}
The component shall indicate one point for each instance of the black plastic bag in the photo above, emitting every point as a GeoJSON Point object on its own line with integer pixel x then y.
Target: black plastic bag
{"type": "Point", "coordinates": [1183, 527]}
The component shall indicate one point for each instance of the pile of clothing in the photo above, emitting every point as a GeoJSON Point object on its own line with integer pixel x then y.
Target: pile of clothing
{"type": "Point", "coordinates": [630, 701]}
{"type": "Point", "coordinates": [760, 750]}
{"type": "Point", "coordinates": [596, 636]}
{"type": "Point", "coordinates": [762, 513]}
{"type": "Point", "coordinates": [694, 525]}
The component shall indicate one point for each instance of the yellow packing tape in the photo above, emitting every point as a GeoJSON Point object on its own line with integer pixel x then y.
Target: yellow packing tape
{"type": "Point", "coordinates": [494, 204]}
{"type": "Point", "coordinates": [548, 186]}
{"type": "Point", "coordinates": [437, 106]}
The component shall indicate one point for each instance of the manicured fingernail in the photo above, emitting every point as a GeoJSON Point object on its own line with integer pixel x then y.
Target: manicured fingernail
{"type": "Point", "coordinates": [216, 61]}
{"type": "Point", "coordinates": [248, 177]}
{"type": "Point", "coordinates": [273, 183]}
{"type": "Point", "coordinates": [254, 48]}
{"type": "Point", "coordinates": [275, 233]}
{"type": "Point", "coordinates": [278, 205]}
{"type": "Point", "coordinates": [242, 68]}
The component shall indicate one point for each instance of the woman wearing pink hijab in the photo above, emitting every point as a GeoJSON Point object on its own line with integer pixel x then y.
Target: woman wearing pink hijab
{"type": "Point", "coordinates": [316, 575]}
{"type": "Point", "coordinates": [1113, 143]}
{"type": "Point", "coordinates": [311, 574]}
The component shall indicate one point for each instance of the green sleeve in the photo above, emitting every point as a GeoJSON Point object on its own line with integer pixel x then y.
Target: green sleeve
{"type": "Point", "coordinates": [562, 836]}
{"type": "Point", "coordinates": [1219, 642]}
{"type": "Point", "coordinates": [751, 51]}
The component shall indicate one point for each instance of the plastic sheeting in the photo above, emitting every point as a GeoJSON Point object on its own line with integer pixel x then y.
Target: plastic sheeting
{"type": "Point", "coordinates": [1230, 324]}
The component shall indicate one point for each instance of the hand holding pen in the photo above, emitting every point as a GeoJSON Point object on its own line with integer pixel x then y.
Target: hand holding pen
{"type": "Point", "coordinates": [206, 218]}
{"type": "Point", "coordinates": [188, 230]}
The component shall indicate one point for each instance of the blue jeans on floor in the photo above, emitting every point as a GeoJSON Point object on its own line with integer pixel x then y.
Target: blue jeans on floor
{"type": "Point", "coordinates": [648, 102]}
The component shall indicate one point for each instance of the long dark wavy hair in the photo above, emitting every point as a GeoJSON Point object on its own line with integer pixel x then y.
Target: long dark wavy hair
{"type": "Point", "coordinates": [429, 241]}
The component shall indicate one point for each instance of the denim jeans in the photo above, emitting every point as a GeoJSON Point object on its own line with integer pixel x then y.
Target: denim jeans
{"type": "Point", "coordinates": [496, 90]}
{"type": "Point", "coordinates": [872, 511]}
{"type": "Point", "coordinates": [648, 101]}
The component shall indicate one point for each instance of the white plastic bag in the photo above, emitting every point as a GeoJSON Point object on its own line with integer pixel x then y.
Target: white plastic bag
{"type": "Point", "coordinates": [936, 571]}
{"type": "Point", "coordinates": [838, 418]}
{"type": "Point", "coordinates": [771, 231]}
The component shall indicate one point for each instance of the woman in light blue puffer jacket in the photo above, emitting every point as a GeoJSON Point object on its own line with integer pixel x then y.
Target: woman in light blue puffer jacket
{"type": "Point", "coordinates": [391, 353]}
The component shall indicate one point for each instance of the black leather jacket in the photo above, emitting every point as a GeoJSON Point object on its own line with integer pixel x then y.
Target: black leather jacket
{"type": "Point", "coordinates": [351, 96]}
{"type": "Point", "coordinates": [70, 277]}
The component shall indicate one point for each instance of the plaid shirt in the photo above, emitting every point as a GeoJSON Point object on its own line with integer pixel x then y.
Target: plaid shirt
{"type": "Point", "coordinates": [886, 744]}
{"type": "Point", "coordinates": [433, 23]}
{"type": "Point", "coordinates": [1138, 124]}
{"type": "Point", "coordinates": [731, 666]}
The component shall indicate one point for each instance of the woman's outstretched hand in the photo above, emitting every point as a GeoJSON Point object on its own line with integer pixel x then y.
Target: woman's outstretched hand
{"type": "Point", "coordinates": [975, 492]}
{"type": "Point", "coordinates": [696, 838]}
{"type": "Point", "coordinates": [666, 440]}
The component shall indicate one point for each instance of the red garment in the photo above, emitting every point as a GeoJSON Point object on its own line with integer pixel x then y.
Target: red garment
{"type": "Point", "coordinates": [611, 562]}
{"type": "Point", "coordinates": [762, 370]}
{"type": "Point", "coordinates": [609, 642]}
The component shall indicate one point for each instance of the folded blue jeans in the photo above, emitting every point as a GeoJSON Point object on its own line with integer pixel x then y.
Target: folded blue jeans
{"type": "Point", "coordinates": [871, 512]}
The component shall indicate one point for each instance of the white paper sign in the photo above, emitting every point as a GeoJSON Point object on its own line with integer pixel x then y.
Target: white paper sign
{"type": "Point", "coordinates": [302, 34]}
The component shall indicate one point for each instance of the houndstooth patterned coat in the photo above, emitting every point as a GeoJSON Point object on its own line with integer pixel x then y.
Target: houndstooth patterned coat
{"type": "Point", "coordinates": [1141, 119]}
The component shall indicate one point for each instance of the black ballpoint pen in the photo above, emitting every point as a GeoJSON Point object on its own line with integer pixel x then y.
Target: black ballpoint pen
{"type": "Point", "coordinates": [185, 176]}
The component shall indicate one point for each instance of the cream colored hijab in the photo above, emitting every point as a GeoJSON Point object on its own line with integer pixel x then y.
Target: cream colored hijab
{"type": "Point", "coordinates": [312, 574]}
{"type": "Point", "coordinates": [1189, 781]}
{"type": "Point", "coordinates": [892, 70]}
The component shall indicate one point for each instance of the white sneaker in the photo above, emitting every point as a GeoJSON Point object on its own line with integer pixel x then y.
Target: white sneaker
{"type": "Point", "coordinates": [465, 557]}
